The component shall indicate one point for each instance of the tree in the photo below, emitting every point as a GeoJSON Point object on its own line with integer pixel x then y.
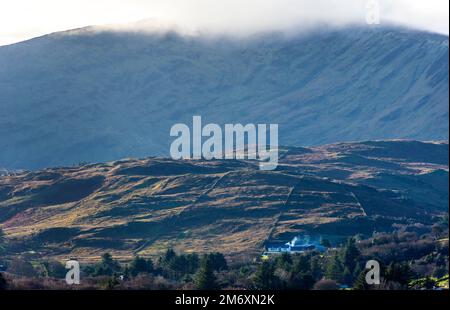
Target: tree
{"type": "Point", "coordinates": [316, 269]}
{"type": "Point", "coordinates": [179, 264]}
{"type": "Point", "coordinates": [140, 265]}
{"type": "Point", "coordinates": [193, 263]}
{"type": "Point", "coordinates": [284, 261]}
{"type": "Point", "coordinates": [22, 268]}
{"type": "Point", "coordinates": [3, 283]}
{"type": "Point", "coordinates": [429, 283]}
{"type": "Point", "coordinates": [205, 278]}
{"type": "Point", "coordinates": [334, 269]}
{"type": "Point", "coordinates": [169, 256]}
{"type": "Point", "coordinates": [361, 283]}
{"type": "Point", "coordinates": [400, 273]}
{"type": "Point", "coordinates": [303, 264]}
{"type": "Point", "coordinates": [301, 281]}
{"type": "Point", "coordinates": [218, 261]}
{"type": "Point", "coordinates": [107, 266]}
{"type": "Point", "coordinates": [54, 269]}
{"type": "Point", "coordinates": [350, 255]}
{"type": "Point", "coordinates": [347, 276]}
{"type": "Point", "coordinates": [111, 283]}
{"type": "Point", "coordinates": [265, 277]}
{"type": "Point", "coordinates": [357, 271]}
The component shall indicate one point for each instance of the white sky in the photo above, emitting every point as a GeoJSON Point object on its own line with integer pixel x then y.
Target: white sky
{"type": "Point", "coordinates": [24, 19]}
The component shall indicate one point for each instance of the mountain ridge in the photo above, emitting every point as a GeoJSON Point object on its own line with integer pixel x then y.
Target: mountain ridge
{"type": "Point", "coordinates": [140, 206]}
{"type": "Point", "coordinates": [103, 96]}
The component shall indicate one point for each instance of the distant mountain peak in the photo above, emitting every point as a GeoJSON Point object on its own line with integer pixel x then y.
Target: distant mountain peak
{"type": "Point", "coordinates": [92, 96]}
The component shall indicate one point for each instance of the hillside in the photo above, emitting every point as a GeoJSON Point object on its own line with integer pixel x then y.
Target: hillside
{"type": "Point", "coordinates": [143, 206]}
{"type": "Point", "coordinates": [92, 95]}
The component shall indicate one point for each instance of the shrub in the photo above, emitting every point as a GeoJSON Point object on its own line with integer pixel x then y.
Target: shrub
{"type": "Point", "coordinates": [22, 268]}
{"type": "Point", "coordinates": [326, 285]}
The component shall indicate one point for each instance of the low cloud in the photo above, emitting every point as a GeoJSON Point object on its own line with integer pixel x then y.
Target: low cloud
{"type": "Point", "coordinates": [21, 19]}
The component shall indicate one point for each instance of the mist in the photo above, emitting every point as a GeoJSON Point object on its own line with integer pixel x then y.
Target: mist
{"type": "Point", "coordinates": [24, 19]}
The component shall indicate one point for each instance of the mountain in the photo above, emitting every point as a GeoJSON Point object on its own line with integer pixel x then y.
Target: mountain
{"type": "Point", "coordinates": [93, 95]}
{"type": "Point", "coordinates": [143, 206]}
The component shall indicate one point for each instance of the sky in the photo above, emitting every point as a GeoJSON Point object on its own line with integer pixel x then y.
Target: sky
{"type": "Point", "coordinates": [25, 19]}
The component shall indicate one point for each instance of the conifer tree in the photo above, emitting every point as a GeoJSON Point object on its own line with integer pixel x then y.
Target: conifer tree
{"type": "Point", "coordinates": [303, 264]}
{"type": "Point", "coordinates": [265, 278]}
{"type": "Point", "coordinates": [360, 282]}
{"type": "Point", "coordinates": [141, 265]}
{"type": "Point", "coordinates": [399, 272]}
{"type": "Point", "coordinates": [316, 269]}
{"type": "Point", "coordinates": [205, 278]}
{"type": "Point", "coordinates": [334, 269]}
{"type": "Point", "coordinates": [350, 254]}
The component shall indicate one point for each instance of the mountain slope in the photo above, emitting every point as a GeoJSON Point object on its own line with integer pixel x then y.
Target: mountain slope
{"type": "Point", "coordinates": [94, 96]}
{"type": "Point", "coordinates": [143, 206]}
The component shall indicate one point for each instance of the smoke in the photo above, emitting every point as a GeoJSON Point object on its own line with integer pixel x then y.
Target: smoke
{"type": "Point", "coordinates": [20, 19]}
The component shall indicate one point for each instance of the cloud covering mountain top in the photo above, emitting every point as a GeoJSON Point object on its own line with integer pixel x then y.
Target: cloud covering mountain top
{"type": "Point", "coordinates": [23, 19]}
{"type": "Point", "coordinates": [103, 96]}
